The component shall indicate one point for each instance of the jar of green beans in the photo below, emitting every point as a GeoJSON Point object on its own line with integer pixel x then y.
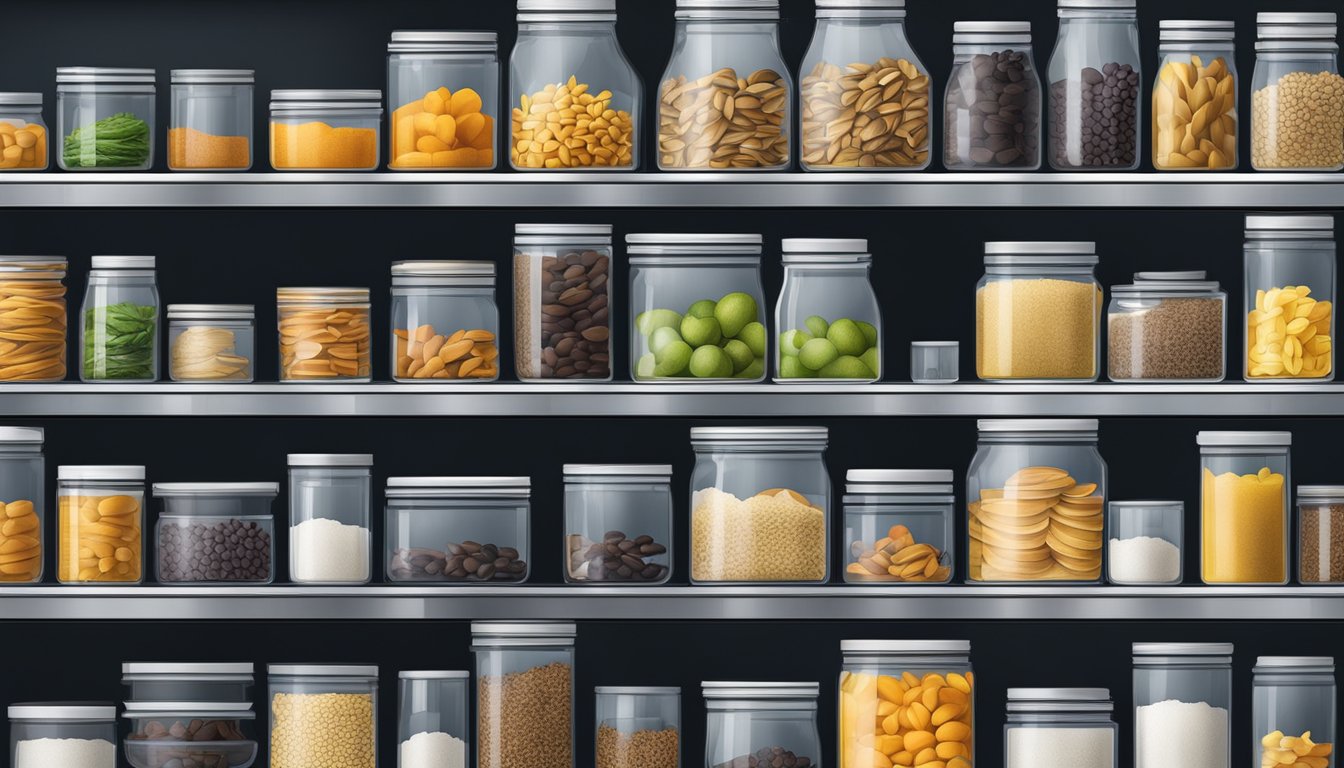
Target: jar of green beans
{"type": "Point", "coordinates": [119, 321]}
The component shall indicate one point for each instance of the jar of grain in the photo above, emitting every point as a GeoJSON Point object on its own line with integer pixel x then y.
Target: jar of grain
{"type": "Point", "coordinates": [1145, 543]}
{"type": "Point", "coordinates": [992, 109]}
{"type": "Point", "coordinates": [1060, 726]}
{"type": "Point", "coordinates": [119, 331]}
{"type": "Point", "coordinates": [638, 726]}
{"type": "Point", "coordinates": [23, 496]}
{"type": "Point", "coordinates": [21, 118]}
{"type": "Point", "coordinates": [445, 85]}
{"type": "Point", "coordinates": [1244, 495]}
{"type": "Point", "coordinates": [1290, 292]}
{"type": "Point", "coordinates": [325, 130]}
{"type": "Point", "coordinates": [1195, 97]}
{"type": "Point", "coordinates": [1167, 326]}
{"type": "Point", "coordinates": [1293, 709]}
{"type": "Point", "coordinates": [827, 316]}
{"type": "Point", "coordinates": [618, 523]}
{"type": "Point", "coordinates": [1297, 94]}
{"type": "Point", "coordinates": [82, 734]}
{"type": "Point", "coordinates": [101, 526]}
{"type": "Point", "coordinates": [898, 526]}
{"type": "Point", "coordinates": [211, 342]}
{"type": "Point", "coordinates": [210, 126]}
{"type": "Point", "coordinates": [524, 693]}
{"type": "Point", "coordinates": [1095, 87]}
{"type": "Point", "coordinates": [323, 714]}
{"type": "Point", "coordinates": [1182, 704]}
{"type": "Point", "coordinates": [433, 718]}
{"type": "Point", "coordinates": [37, 284]}
{"type": "Point", "coordinates": [458, 529]}
{"type": "Point", "coordinates": [324, 334]}
{"type": "Point", "coordinates": [445, 324]}
{"type": "Point", "coordinates": [330, 536]}
{"type": "Point", "coordinates": [105, 118]}
{"type": "Point", "coordinates": [752, 723]}
{"type": "Point", "coordinates": [1320, 525]}
{"type": "Point", "coordinates": [562, 302]}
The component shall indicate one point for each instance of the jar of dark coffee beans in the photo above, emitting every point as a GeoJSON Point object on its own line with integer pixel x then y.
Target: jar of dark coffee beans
{"type": "Point", "coordinates": [618, 523]}
{"type": "Point", "coordinates": [1095, 87]}
{"type": "Point", "coordinates": [993, 105]}
{"type": "Point", "coordinates": [212, 533]}
{"type": "Point", "coordinates": [458, 529]}
{"type": "Point", "coordinates": [561, 302]}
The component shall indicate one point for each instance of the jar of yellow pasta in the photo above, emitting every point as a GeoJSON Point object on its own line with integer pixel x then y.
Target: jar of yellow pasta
{"type": "Point", "coordinates": [33, 329]}
{"type": "Point", "coordinates": [1244, 506]}
{"type": "Point", "coordinates": [101, 510]}
{"type": "Point", "coordinates": [1290, 293]}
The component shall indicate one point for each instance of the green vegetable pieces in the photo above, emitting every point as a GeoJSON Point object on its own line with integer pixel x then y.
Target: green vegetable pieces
{"type": "Point", "coordinates": [119, 342]}
{"type": "Point", "coordinates": [119, 141]}
{"type": "Point", "coordinates": [839, 349]}
{"type": "Point", "coordinates": [722, 339]}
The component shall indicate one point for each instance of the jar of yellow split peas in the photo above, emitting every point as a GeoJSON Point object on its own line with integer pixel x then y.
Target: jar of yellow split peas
{"type": "Point", "coordinates": [22, 132]}
{"type": "Point", "coordinates": [314, 130]}
{"type": "Point", "coordinates": [1290, 292]}
{"type": "Point", "coordinates": [101, 510]}
{"type": "Point", "coordinates": [443, 90]}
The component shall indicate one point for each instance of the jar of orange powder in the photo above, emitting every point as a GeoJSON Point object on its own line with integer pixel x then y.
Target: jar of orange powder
{"type": "Point", "coordinates": [210, 128]}
{"type": "Point", "coordinates": [314, 130]}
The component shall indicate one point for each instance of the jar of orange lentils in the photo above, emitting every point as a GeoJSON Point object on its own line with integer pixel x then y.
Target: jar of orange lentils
{"type": "Point", "coordinates": [210, 128]}
{"type": "Point", "coordinates": [315, 130]}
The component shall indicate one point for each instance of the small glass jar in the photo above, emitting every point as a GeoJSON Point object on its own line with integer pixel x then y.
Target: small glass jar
{"type": "Point", "coordinates": [525, 693]}
{"type": "Point", "coordinates": [432, 718]}
{"type": "Point", "coordinates": [760, 499]}
{"type": "Point", "coordinates": [189, 733]}
{"type": "Point", "coordinates": [1035, 493]}
{"type": "Point", "coordinates": [1182, 704]}
{"type": "Point", "coordinates": [215, 533]}
{"type": "Point", "coordinates": [21, 126]}
{"type": "Point", "coordinates": [1167, 326]}
{"type": "Point", "coordinates": [1096, 87]}
{"type": "Point", "coordinates": [105, 118]}
{"type": "Point", "coordinates": [37, 283]}
{"type": "Point", "coordinates": [330, 539]}
{"type": "Point", "coordinates": [561, 302]}
{"type": "Point", "coordinates": [992, 110]}
{"type": "Point", "coordinates": [323, 714]}
{"type": "Point", "coordinates": [445, 324]}
{"type": "Point", "coordinates": [1297, 94]}
{"type": "Point", "coordinates": [898, 526]}
{"type": "Point", "coordinates": [46, 735]}
{"type": "Point", "coordinates": [458, 529]}
{"type": "Point", "coordinates": [192, 681]}
{"type": "Point", "coordinates": [211, 342]}
{"type": "Point", "coordinates": [766, 724]}
{"type": "Point", "coordinates": [1293, 710]}
{"type": "Point", "coordinates": [119, 333]}
{"type": "Point", "coordinates": [697, 307]}
{"type": "Point", "coordinates": [210, 127]}
{"type": "Point", "coordinates": [1038, 312]}
{"type": "Point", "coordinates": [23, 498]}
{"type": "Point", "coordinates": [618, 523]}
{"type": "Point", "coordinates": [1290, 266]}
{"type": "Point", "coordinates": [1195, 97]}
{"type": "Point", "coordinates": [935, 362]}
{"type": "Point", "coordinates": [324, 334]}
{"type": "Point", "coordinates": [638, 726]}
{"type": "Point", "coordinates": [1244, 497]}
{"type": "Point", "coordinates": [1146, 542]}
{"type": "Point", "coordinates": [827, 317]}
{"type": "Point", "coordinates": [445, 86]}
{"type": "Point", "coordinates": [568, 65]}
{"type": "Point", "coordinates": [314, 130]}
{"type": "Point", "coordinates": [1320, 526]}
{"type": "Point", "coordinates": [1060, 727]}
{"type": "Point", "coordinates": [101, 511]}
{"type": "Point", "coordinates": [860, 45]}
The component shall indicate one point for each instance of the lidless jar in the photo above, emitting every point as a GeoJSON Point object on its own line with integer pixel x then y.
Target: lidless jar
{"type": "Point", "coordinates": [1290, 293]}
{"type": "Point", "coordinates": [1245, 487]}
{"type": "Point", "coordinates": [119, 331]}
{"type": "Point", "coordinates": [524, 693]}
{"type": "Point", "coordinates": [23, 498]}
{"type": "Point", "coordinates": [1167, 326]}
{"type": "Point", "coordinates": [1182, 704]}
{"type": "Point", "coordinates": [443, 91]}
{"type": "Point", "coordinates": [898, 526]}
{"type": "Point", "coordinates": [1195, 121]}
{"type": "Point", "coordinates": [105, 118]}
{"type": "Point", "coordinates": [562, 302]}
{"type": "Point", "coordinates": [210, 128]}
{"type": "Point", "coordinates": [1293, 710]}
{"type": "Point", "coordinates": [828, 321]}
{"type": "Point", "coordinates": [1297, 94]}
{"type": "Point", "coordinates": [458, 530]}
{"type": "Point", "coordinates": [761, 724]}
{"type": "Point", "coordinates": [1095, 87]}
{"type": "Point", "coordinates": [445, 323]}
{"type": "Point", "coordinates": [21, 120]}
{"type": "Point", "coordinates": [992, 109]}
{"type": "Point", "coordinates": [37, 283]}
{"type": "Point", "coordinates": [323, 714]}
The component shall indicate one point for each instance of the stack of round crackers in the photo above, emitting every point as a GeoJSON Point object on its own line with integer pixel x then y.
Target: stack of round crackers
{"type": "Point", "coordinates": [1042, 525]}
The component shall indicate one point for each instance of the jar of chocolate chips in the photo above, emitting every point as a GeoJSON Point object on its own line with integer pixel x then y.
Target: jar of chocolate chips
{"type": "Point", "coordinates": [618, 523]}
{"type": "Point", "coordinates": [458, 529]}
{"type": "Point", "coordinates": [992, 109]}
{"type": "Point", "coordinates": [1095, 87]}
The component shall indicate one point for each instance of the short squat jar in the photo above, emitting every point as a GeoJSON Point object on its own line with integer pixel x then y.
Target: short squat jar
{"type": "Point", "coordinates": [323, 714]}
{"type": "Point", "coordinates": [1182, 704]}
{"type": "Point", "coordinates": [46, 735]}
{"type": "Point", "coordinates": [1060, 727]}
{"type": "Point", "coordinates": [1293, 710]}
{"type": "Point", "coordinates": [898, 526]}
{"type": "Point", "coordinates": [1244, 499]}
{"type": "Point", "coordinates": [458, 529]}
{"type": "Point", "coordinates": [753, 723]}
{"type": "Point", "coordinates": [105, 118]}
{"type": "Point", "coordinates": [23, 498]}
{"type": "Point", "coordinates": [101, 526]}
{"type": "Point", "coordinates": [1320, 526]}
{"type": "Point", "coordinates": [1195, 120]}
{"type": "Point", "coordinates": [828, 321]}
{"type": "Point", "coordinates": [215, 533]}
{"type": "Point", "coordinates": [1290, 297]}
{"type": "Point", "coordinates": [445, 323]}
{"type": "Point", "coordinates": [210, 127]}
{"type": "Point", "coordinates": [1167, 326]}
{"type": "Point", "coordinates": [638, 726]}
{"type": "Point", "coordinates": [119, 327]}
{"type": "Point", "coordinates": [22, 127]}
{"type": "Point", "coordinates": [330, 538]}
{"type": "Point", "coordinates": [1297, 94]}
{"type": "Point", "coordinates": [992, 109]}
{"type": "Point", "coordinates": [1145, 542]}
{"type": "Point", "coordinates": [445, 88]}
{"type": "Point", "coordinates": [562, 302]}
{"type": "Point", "coordinates": [524, 693]}
{"type": "Point", "coordinates": [432, 718]}
{"type": "Point", "coordinates": [618, 523]}
{"type": "Point", "coordinates": [324, 334]}
{"type": "Point", "coordinates": [1095, 87]}
{"type": "Point", "coordinates": [320, 130]}
{"type": "Point", "coordinates": [211, 342]}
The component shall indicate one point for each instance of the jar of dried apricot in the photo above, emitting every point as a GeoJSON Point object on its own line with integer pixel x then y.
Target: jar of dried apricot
{"type": "Point", "coordinates": [101, 511]}
{"type": "Point", "coordinates": [324, 334]}
{"type": "Point", "coordinates": [445, 323]}
{"type": "Point", "coordinates": [445, 88]}
{"type": "Point", "coordinates": [21, 127]}
{"type": "Point", "coordinates": [22, 495]}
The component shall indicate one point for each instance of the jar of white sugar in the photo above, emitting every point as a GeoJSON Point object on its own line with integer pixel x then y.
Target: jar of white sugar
{"type": "Point", "coordinates": [1060, 727]}
{"type": "Point", "coordinates": [1293, 710]}
{"type": "Point", "coordinates": [329, 533]}
{"type": "Point", "coordinates": [69, 735]}
{"type": "Point", "coordinates": [1182, 705]}
{"type": "Point", "coordinates": [432, 722]}
{"type": "Point", "coordinates": [1145, 542]}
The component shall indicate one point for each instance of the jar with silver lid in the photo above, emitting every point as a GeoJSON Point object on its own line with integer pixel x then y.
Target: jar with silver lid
{"type": "Point", "coordinates": [211, 342]}
{"type": "Point", "coordinates": [760, 723]}
{"type": "Point", "coordinates": [323, 714]}
{"type": "Point", "coordinates": [458, 529]}
{"type": "Point", "coordinates": [1060, 727]}
{"type": "Point", "coordinates": [522, 668]}
{"type": "Point", "coordinates": [101, 511]}
{"type": "Point", "coordinates": [330, 534]}
{"type": "Point", "coordinates": [21, 119]}
{"type": "Point", "coordinates": [638, 726]}
{"type": "Point", "coordinates": [1290, 297]}
{"type": "Point", "coordinates": [37, 283]}
{"type": "Point", "coordinates": [445, 323]}
{"type": "Point", "coordinates": [324, 334]}
{"type": "Point", "coordinates": [325, 130]}
{"type": "Point", "coordinates": [1197, 75]}
{"type": "Point", "coordinates": [1182, 704]}
{"type": "Point", "coordinates": [445, 88]}
{"type": "Point", "coordinates": [432, 718]}
{"type": "Point", "coordinates": [1320, 534]}
{"type": "Point", "coordinates": [618, 523]}
{"type": "Point", "coordinates": [992, 109]}
{"type": "Point", "coordinates": [105, 118]}
{"type": "Point", "coordinates": [1245, 489]}
{"type": "Point", "coordinates": [562, 302]}
{"type": "Point", "coordinates": [1096, 87]}
{"type": "Point", "coordinates": [46, 735]}
{"type": "Point", "coordinates": [827, 319]}
{"type": "Point", "coordinates": [23, 501]}
{"type": "Point", "coordinates": [119, 332]}
{"type": "Point", "coordinates": [1293, 703]}
{"type": "Point", "coordinates": [210, 126]}
{"type": "Point", "coordinates": [1167, 326]}
{"type": "Point", "coordinates": [1297, 93]}
{"type": "Point", "coordinates": [898, 525]}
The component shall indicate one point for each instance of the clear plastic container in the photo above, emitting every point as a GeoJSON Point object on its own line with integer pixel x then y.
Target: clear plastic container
{"type": "Point", "coordinates": [445, 85]}
{"type": "Point", "coordinates": [638, 726]}
{"type": "Point", "coordinates": [323, 714]}
{"type": "Point", "coordinates": [102, 517]}
{"type": "Point", "coordinates": [697, 307]}
{"type": "Point", "coordinates": [37, 282]}
{"type": "Point", "coordinates": [1146, 542]}
{"type": "Point", "coordinates": [525, 693]}
{"type": "Point", "coordinates": [827, 316]}
{"type": "Point", "coordinates": [21, 126]}
{"type": "Point", "coordinates": [1035, 493]}
{"type": "Point", "coordinates": [330, 538]}
{"type": "Point", "coordinates": [119, 333]}
{"type": "Point", "coordinates": [898, 526]}
{"type": "Point", "coordinates": [1293, 710]}
{"type": "Point", "coordinates": [210, 127]}
{"type": "Point", "coordinates": [105, 118]}
{"type": "Point", "coordinates": [1297, 94]}
{"type": "Point", "coordinates": [1244, 498]}
{"type": "Point", "coordinates": [935, 362]}
{"type": "Point", "coordinates": [316, 130]}
{"type": "Point", "coordinates": [1167, 326]}
{"type": "Point", "coordinates": [1286, 254]}
{"type": "Point", "coordinates": [561, 302]}
{"type": "Point", "coordinates": [1195, 121]}
{"type": "Point", "coordinates": [213, 533]}
{"type": "Point", "coordinates": [47, 735]}
{"type": "Point", "coordinates": [324, 334]}
{"type": "Point", "coordinates": [1060, 727]}
{"type": "Point", "coordinates": [761, 724]}
{"type": "Point", "coordinates": [150, 682]}
{"type": "Point", "coordinates": [432, 718]}
{"type": "Point", "coordinates": [23, 498]}
{"type": "Point", "coordinates": [1038, 312]}
{"type": "Point", "coordinates": [445, 323]}
{"type": "Point", "coordinates": [458, 529]}
{"type": "Point", "coordinates": [1096, 87]}
{"type": "Point", "coordinates": [992, 110]}
{"type": "Point", "coordinates": [568, 65]}
{"type": "Point", "coordinates": [211, 342]}
{"type": "Point", "coordinates": [1320, 526]}
{"type": "Point", "coordinates": [1182, 704]}
{"type": "Point", "coordinates": [618, 523]}
{"type": "Point", "coordinates": [185, 733]}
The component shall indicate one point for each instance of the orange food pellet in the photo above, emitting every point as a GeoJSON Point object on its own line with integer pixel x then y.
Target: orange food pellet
{"type": "Point", "coordinates": [29, 143]}
{"type": "Point", "coordinates": [318, 145]}
{"type": "Point", "coordinates": [445, 129]}
{"type": "Point", "coordinates": [190, 148]}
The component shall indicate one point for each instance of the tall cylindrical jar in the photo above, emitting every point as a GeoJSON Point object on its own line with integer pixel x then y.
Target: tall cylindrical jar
{"type": "Point", "coordinates": [23, 498]}
{"type": "Point", "coordinates": [1182, 704]}
{"type": "Point", "coordinates": [46, 735]}
{"type": "Point", "coordinates": [1095, 87]}
{"type": "Point", "coordinates": [1195, 97]}
{"type": "Point", "coordinates": [562, 302]}
{"type": "Point", "coordinates": [445, 323]}
{"type": "Point", "coordinates": [618, 523]}
{"type": "Point", "coordinates": [330, 539]}
{"type": "Point", "coordinates": [1297, 94]}
{"type": "Point", "coordinates": [119, 331]}
{"type": "Point", "coordinates": [725, 98]}
{"type": "Point", "coordinates": [1320, 537]}
{"type": "Point", "coordinates": [38, 284]}
{"type": "Point", "coordinates": [1244, 497]}
{"type": "Point", "coordinates": [638, 726]}
{"type": "Point", "coordinates": [827, 318]}
{"type": "Point", "coordinates": [443, 93]}
{"type": "Point", "coordinates": [992, 110]}
{"type": "Point", "coordinates": [105, 118]}
{"type": "Point", "coordinates": [210, 126]}
{"type": "Point", "coordinates": [524, 693]}
{"type": "Point", "coordinates": [432, 717]}
{"type": "Point", "coordinates": [101, 527]}
{"type": "Point", "coordinates": [323, 714]}
{"type": "Point", "coordinates": [1060, 727]}
{"type": "Point", "coordinates": [1290, 296]}
{"type": "Point", "coordinates": [898, 526]}
{"type": "Point", "coordinates": [762, 724]}
{"type": "Point", "coordinates": [324, 334]}
{"type": "Point", "coordinates": [864, 98]}
{"type": "Point", "coordinates": [458, 529]}
{"type": "Point", "coordinates": [1293, 705]}
{"type": "Point", "coordinates": [21, 117]}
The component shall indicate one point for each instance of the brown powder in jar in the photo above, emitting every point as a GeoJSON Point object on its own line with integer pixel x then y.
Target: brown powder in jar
{"type": "Point", "coordinates": [1317, 545]}
{"type": "Point", "coordinates": [1178, 338]}
{"type": "Point", "coordinates": [526, 719]}
{"type": "Point", "coordinates": [644, 748]}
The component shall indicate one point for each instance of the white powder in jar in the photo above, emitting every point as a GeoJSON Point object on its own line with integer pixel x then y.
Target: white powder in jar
{"type": "Point", "coordinates": [326, 550]}
{"type": "Point", "coordinates": [1060, 747]}
{"type": "Point", "coordinates": [433, 750]}
{"type": "Point", "coordinates": [1143, 560]}
{"type": "Point", "coordinates": [65, 753]}
{"type": "Point", "coordinates": [1180, 733]}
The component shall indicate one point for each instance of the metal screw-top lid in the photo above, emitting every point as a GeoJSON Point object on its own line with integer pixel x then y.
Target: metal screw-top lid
{"type": "Point", "coordinates": [1044, 700]}
{"type": "Point", "coordinates": [906, 647]}
{"type": "Point", "coordinates": [21, 435]}
{"type": "Point", "coordinates": [691, 244]}
{"type": "Point", "coordinates": [211, 312]}
{"type": "Point", "coordinates": [1300, 27]}
{"type": "Point", "coordinates": [122, 262]}
{"type": "Point", "coordinates": [1289, 227]}
{"type": "Point", "coordinates": [1003, 32]}
{"type": "Point", "coordinates": [330, 459]}
{"type": "Point", "coordinates": [1196, 30]}
{"type": "Point", "coordinates": [778, 436]}
{"type": "Point", "coordinates": [617, 473]}
{"type": "Point", "coordinates": [539, 634]}
{"type": "Point", "coordinates": [1316, 494]}
{"type": "Point", "coordinates": [637, 690]}
{"type": "Point", "coordinates": [1294, 663]}
{"type": "Point", "coordinates": [322, 296]}
{"type": "Point", "coordinates": [215, 489]}
{"type": "Point", "coordinates": [104, 76]}
{"type": "Point", "coordinates": [1159, 284]}
{"type": "Point", "coordinates": [303, 100]}
{"type": "Point", "coordinates": [1028, 253]}
{"type": "Point", "coordinates": [897, 482]}
{"type": "Point", "coordinates": [519, 487]}
{"type": "Point", "coordinates": [1243, 439]}
{"type": "Point", "coordinates": [213, 76]}
{"type": "Point", "coordinates": [1182, 649]}
{"type": "Point", "coordinates": [1037, 425]}
{"type": "Point", "coordinates": [443, 41]}
{"type": "Point", "coordinates": [1097, 5]}
{"type": "Point", "coordinates": [70, 712]}
{"type": "Point", "coordinates": [737, 689]}
{"type": "Point", "coordinates": [176, 668]}
{"type": "Point", "coordinates": [18, 99]}
{"type": "Point", "coordinates": [566, 10]}
{"type": "Point", "coordinates": [722, 10]}
{"type": "Point", "coordinates": [547, 234]}
{"type": "Point", "coordinates": [860, 9]}
{"type": "Point", "coordinates": [324, 670]}
{"type": "Point", "coordinates": [113, 472]}
{"type": "Point", "coordinates": [824, 250]}
{"type": "Point", "coordinates": [433, 674]}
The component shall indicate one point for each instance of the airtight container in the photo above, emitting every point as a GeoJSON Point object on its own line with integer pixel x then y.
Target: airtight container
{"type": "Point", "coordinates": [105, 118]}
{"type": "Point", "coordinates": [45, 735]}
{"type": "Point", "coordinates": [992, 109]}
{"type": "Point", "coordinates": [618, 523]}
{"type": "Point", "coordinates": [150, 682]}
{"type": "Point", "coordinates": [1291, 697]}
{"type": "Point", "coordinates": [458, 529]}
{"type": "Point", "coordinates": [1060, 726]}
{"type": "Point", "coordinates": [21, 120]}
{"type": "Point", "coordinates": [211, 342]}
{"type": "Point", "coordinates": [190, 733]}
{"type": "Point", "coordinates": [827, 318]}
{"type": "Point", "coordinates": [323, 714]}
{"type": "Point", "coordinates": [638, 726]}
{"type": "Point", "coordinates": [1290, 296]}
{"type": "Point", "coordinates": [898, 526]}
{"type": "Point", "coordinates": [212, 533]}
{"type": "Point", "coordinates": [1167, 326]}
{"type": "Point", "coordinates": [1244, 499]}
{"type": "Point", "coordinates": [322, 130]}
{"type": "Point", "coordinates": [561, 302]}
{"type": "Point", "coordinates": [330, 539]}
{"type": "Point", "coordinates": [1297, 93]}
{"type": "Point", "coordinates": [443, 90]}
{"type": "Point", "coordinates": [432, 718]}
{"type": "Point", "coordinates": [1197, 73]}
{"type": "Point", "coordinates": [761, 723]}
{"type": "Point", "coordinates": [23, 487]}
{"type": "Point", "coordinates": [1145, 542]}
{"type": "Point", "coordinates": [1182, 704]}
{"type": "Point", "coordinates": [935, 362]}
{"type": "Point", "coordinates": [210, 126]}
{"type": "Point", "coordinates": [1320, 526]}
{"type": "Point", "coordinates": [324, 334]}
{"type": "Point", "coordinates": [39, 283]}
{"type": "Point", "coordinates": [119, 321]}
{"type": "Point", "coordinates": [101, 520]}
{"type": "Point", "coordinates": [524, 693]}
{"type": "Point", "coordinates": [1096, 87]}
{"type": "Point", "coordinates": [445, 324]}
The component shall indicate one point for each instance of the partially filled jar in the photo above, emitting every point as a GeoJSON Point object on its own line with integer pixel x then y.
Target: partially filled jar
{"type": "Point", "coordinates": [561, 301]}
{"type": "Point", "coordinates": [458, 529]}
{"type": "Point", "coordinates": [1182, 704]}
{"type": "Point", "coordinates": [445, 85]}
{"type": "Point", "coordinates": [189, 733]}
{"type": "Point", "coordinates": [638, 726]}
{"type": "Point", "coordinates": [64, 735]}
{"type": "Point", "coordinates": [992, 112]}
{"type": "Point", "coordinates": [827, 318]}
{"type": "Point", "coordinates": [1320, 525]}
{"type": "Point", "coordinates": [32, 295]}
{"type": "Point", "coordinates": [445, 323]}
{"type": "Point", "coordinates": [1145, 542]}
{"type": "Point", "coordinates": [898, 526]}
{"type": "Point", "coordinates": [524, 693]}
{"type": "Point", "coordinates": [211, 342]}
{"type": "Point", "coordinates": [1095, 87]}
{"type": "Point", "coordinates": [323, 714]}
{"type": "Point", "coordinates": [23, 503]}
{"type": "Point", "coordinates": [324, 334]}
{"type": "Point", "coordinates": [1290, 292]}
{"type": "Point", "coordinates": [1297, 94]}
{"type": "Point", "coordinates": [211, 533]}
{"type": "Point", "coordinates": [1293, 710]}
{"type": "Point", "coordinates": [432, 718]}
{"type": "Point", "coordinates": [1167, 326]}
{"type": "Point", "coordinates": [761, 724]}
{"type": "Point", "coordinates": [1060, 727]}
{"type": "Point", "coordinates": [24, 132]}
{"type": "Point", "coordinates": [618, 523]}
{"type": "Point", "coordinates": [119, 332]}
{"type": "Point", "coordinates": [105, 118]}
{"type": "Point", "coordinates": [1244, 496]}
{"type": "Point", "coordinates": [210, 126]}
{"type": "Point", "coordinates": [323, 130]}
{"type": "Point", "coordinates": [330, 536]}
{"type": "Point", "coordinates": [1195, 97]}
{"type": "Point", "coordinates": [102, 518]}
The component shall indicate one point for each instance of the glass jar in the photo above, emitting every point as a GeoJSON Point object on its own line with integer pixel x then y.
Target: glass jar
{"type": "Point", "coordinates": [211, 342]}
{"type": "Point", "coordinates": [859, 45]}
{"type": "Point", "coordinates": [101, 511]}
{"type": "Point", "coordinates": [210, 128]}
{"type": "Point", "coordinates": [23, 498]}
{"type": "Point", "coordinates": [215, 533]}
{"type": "Point", "coordinates": [446, 88]}
{"type": "Point", "coordinates": [935, 362]}
{"type": "Point", "coordinates": [105, 118]}
{"type": "Point", "coordinates": [1167, 326]}
{"type": "Point", "coordinates": [458, 529]}
{"type": "Point", "coordinates": [827, 316]}
{"type": "Point", "coordinates": [432, 718]}
{"type": "Point", "coordinates": [43, 735]}
{"type": "Point", "coordinates": [316, 130]}
{"type": "Point", "coordinates": [1146, 542]}
{"type": "Point", "coordinates": [192, 681]}
{"type": "Point", "coordinates": [22, 126]}
{"type": "Point", "coordinates": [898, 525]}
{"type": "Point", "coordinates": [1244, 506]}
{"type": "Point", "coordinates": [1061, 727]}
{"type": "Point", "coordinates": [119, 334]}
{"type": "Point", "coordinates": [1197, 78]}
{"type": "Point", "coordinates": [568, 65]}
{"type": "Point", "coordinates": [1182, 704]}
{"type": "Point", "coordinates": [1057, 334]}
{"type": "Point", "coordinates": [697, 307]}
{"type": "Point", "coordinates": [1290, 264]}
{"type": "Point", "coordinates": [38, 284]}
{"type": "Point", "coordinates": [992, 110]}
{"type": "Point", "coordinates": [445, 324]}
{"type": "Point", "coordinates": [1095, 87]}
{"type": "Point", "coordinates": [1320, 525]}
{"type": "Point", "coordinates": [323, 714]}
{"type": "Point", "coordinates": [188, 733]}
{"type": "Point", "coordinates": [638, 726]}
{"type": "Point", "coordinates": [1035, 493]}
{"type": "Point", "coordinates": [329, 536]}
{"type": "Point", "coordinates": [618, 523]}
{"type": "Point", "coordinates": [751, 723]}
{"type": "Point", "coordinates": [324, 334]}
{"type": "Point", "coordinates": [760, 498]}
{"type": "Point", "coordinates": [1297, 94]}
{"type": "Point", "coordinates": [525, 693]}
{"type": "Point", "coordinates": [1293, 709]}
{"type": "Point", "coordinates": [561, 302]}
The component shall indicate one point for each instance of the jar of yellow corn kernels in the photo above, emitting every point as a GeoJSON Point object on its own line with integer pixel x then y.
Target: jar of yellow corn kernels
{"type": "Point", "coordinates": [102, 517]}
{"type": "Point", "coordinates": [1244, 502]}
{"type": "Point", "coordinates": [324, 334]}
{"type": "Point", "coordinates": [323, 714]}
{"type": "Point", "coordinates": [443, 90]}
{"type": "Point", "coordinates": [445, 324]}
{"type": "Point", "coordinates": [22, 496]}
{"type": "Point", "coordinates": [763, 724]}
{"type": "Point", "coordinates": [32, 296]}
{"type": "Point", "coordinates": [1290, 292]}
{"type": "Point", "coordinates": [21, 127]}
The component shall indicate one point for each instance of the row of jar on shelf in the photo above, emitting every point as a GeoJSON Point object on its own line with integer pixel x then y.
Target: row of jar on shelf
{"type": "Point", "coordinates": [900, 703]}
{"type": "Point", "coordinates": [727, 101]}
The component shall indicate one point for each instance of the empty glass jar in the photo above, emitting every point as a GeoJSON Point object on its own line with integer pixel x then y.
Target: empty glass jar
{"type": "Point", "coordinates": [45, 735]}
{"type": "Point", "coordinates": [761, 723]}
{"type": "Point", "coordinates": [211, 342]}
{"type": "Point", "coordinates": [1182, 704]}
{"type": "Point", "coordinates": [21, 118]}
{"type": "Point", "coordinates": [1060, 726]}
{"type": "Point", "coordinates": [827, 316]}
{"type": "Point", "coordinates": [458, 529]}
{"type": "Point", "coordinates": [325, 130]}
{"type": "Point", "coordinates": [23, 499]}
{"type": "Point", "coordinates": [445, 324]}
{"type": "Point", "coordinates": [323, 714]}
{"type": "Point", "coordinates": [992, 109]}
{"type": "Point", "coordinates": [324, 334]}
{"type": "Point", "coordinates": [101, 527]}
{"type": "Point", "coordinates": [1095, 87]}
{"type": "Point", "coordinates": [638, 726]}
{"type": "Point", "coordinates": [1244, 487]}
{"type": "Point", "coordinates": [105, 118]}
{"type": "Point", "coordinates": [1197, 76]}
{"type": "Point", "coordinates": [935, 362]}
{"type": "Point", "coordinates": [1297, 94]}
{"type": "Point", "coordinates": [445, 88]}
{"type": "Point", "coordinates": [1145, 544]}
{"type": "Point", "coordinates": [525, 693]}
{"type": "Point", "coordinates": [330, 538]}
{"type": "Point", "coordinates": [1293, 710]}
{"type": "Point", "coordinates": [38, 282]}
{"type": "Point", "coordinates": [119, 331]}
{"type": "Point", "coordinates": [1290, 292]}
{"type": "Point", "coordinates": [1320, 525]}
{"type": "Point", "coordinates": [1167, 326]}
{"type": "Point", "coordinates": [210, 127]}
{"type": "Point", "coordinates": [432, 728]}
{"type": "Point", "coordinates": [618, 523]}
{"type": "Point", "coordinates": [561, 302]}
{"type": "Point", "coordinates": [898, 525]}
